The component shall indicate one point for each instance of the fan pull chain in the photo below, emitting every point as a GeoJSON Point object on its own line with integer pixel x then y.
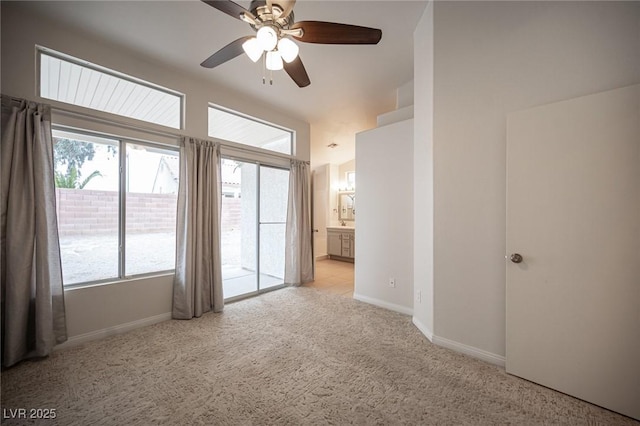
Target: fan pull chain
{"type": "Point", "coordinates": [264, 71]}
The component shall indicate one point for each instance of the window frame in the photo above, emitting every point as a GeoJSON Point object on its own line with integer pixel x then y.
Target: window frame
{"type": "Point", "coordinates": [40, 50]}
{"type": "Point", "coordinates": [243, 146]}
{"type": "Point", "coordinates": [123, 141]}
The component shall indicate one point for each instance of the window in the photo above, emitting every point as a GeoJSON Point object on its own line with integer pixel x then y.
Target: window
{"type": "Point", "coordinates": [70, 80]}
{"type": "Point", "coordinates": [351, 180]}
{"type": "Point", "coordinates": [237, 128]}
{"type": "Point", "coordinates": [151, 197]}
{"type": "Point", "coordinates": [113, 221]}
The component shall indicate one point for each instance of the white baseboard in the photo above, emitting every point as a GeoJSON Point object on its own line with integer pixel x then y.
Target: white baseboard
{"type": "Point", "coordinates": [423, 328]}
{"type": "Point", "coordinates": [440, 341]}
{"type": "Point", "coordinates": [322, 257]}
{"type": "Point", "coordinates": [110, 331]}
{"type": "Point", "coordinates": [470, 350]}
{"type": "Point", "coordinates": [383, 304]}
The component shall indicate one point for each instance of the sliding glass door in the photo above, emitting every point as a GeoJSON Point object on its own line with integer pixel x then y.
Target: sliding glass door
{"type": "Point", "coordinates": [274, 192]}
{"type": "Point", "coordinates": [254, 214]}
{"type": "Point", "coordinates": [239, 202]}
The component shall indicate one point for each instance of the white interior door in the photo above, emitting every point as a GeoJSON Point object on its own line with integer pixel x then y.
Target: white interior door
{"type": "Point", "coordinates": [573, 214]}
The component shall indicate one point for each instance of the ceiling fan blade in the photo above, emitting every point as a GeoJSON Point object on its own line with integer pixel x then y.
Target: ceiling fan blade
{"type": "Point", "coordinates": [228, 7]}
{"type": "Point", "coordinates": [297, 72]}
{"type": "Point", "coordinates": [225, 54]}
{"type": "Point", "coordinates": [333, 33]}
{"type": "Point", "coordinates": [285, 5]}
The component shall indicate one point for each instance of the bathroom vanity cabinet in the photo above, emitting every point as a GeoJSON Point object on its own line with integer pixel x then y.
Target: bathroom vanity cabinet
{"type": "Point", "coordinates": [341, 243]}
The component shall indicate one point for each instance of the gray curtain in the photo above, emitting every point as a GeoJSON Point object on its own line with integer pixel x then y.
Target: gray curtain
{"type": "Point", "coordinates": [298, 254]}
{"type": "Point", "coordinates": [197, 286]}
{"type": "Point", "coordinates": [33, 314]}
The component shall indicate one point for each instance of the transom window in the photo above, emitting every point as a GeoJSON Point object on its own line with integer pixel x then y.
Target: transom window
{"type": "Point", "coordinates": [234, 127]}
{"type": "Point", "coordinates": [116, 202]}
{"type": "Point", "coordinates": [73, 81]}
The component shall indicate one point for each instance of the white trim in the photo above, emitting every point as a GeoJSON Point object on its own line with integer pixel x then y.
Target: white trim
{"type": "Point", "coordinates": [423, 328]}
{"type": "Point", "coordinates": [110, 331]}
{"type": "Point", "coordinates": [322, 257]}
{"type": "Point", "coordinates": [383, 304]}
{"type": "Point", "coordinates": [470, 350]}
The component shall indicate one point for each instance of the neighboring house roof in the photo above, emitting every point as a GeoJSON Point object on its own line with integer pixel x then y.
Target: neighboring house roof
{"type": "Point", "coordinates": [230, 174]}
{"type": "Point", "coordinates": [168, 171]}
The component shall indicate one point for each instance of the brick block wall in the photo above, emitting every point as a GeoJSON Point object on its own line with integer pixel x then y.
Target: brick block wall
{"type": "Point", "coordinates": [231, 214]}
{"type": "Point", "coordinates": [88, 212]}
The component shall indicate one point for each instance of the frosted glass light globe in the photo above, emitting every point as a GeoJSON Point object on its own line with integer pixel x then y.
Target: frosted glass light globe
{"type": "Point", "coordinates": [288, 49]}
{"type": "Point", "coordinates": [274, 61]}
{"type": "Point", "coordinates": [252, 48]}
{"type": "Point", "coordinates": [267, 38]}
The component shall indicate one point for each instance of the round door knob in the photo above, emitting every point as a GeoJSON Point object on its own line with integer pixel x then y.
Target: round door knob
{"type": "Point", "coordinates": [515, 258]}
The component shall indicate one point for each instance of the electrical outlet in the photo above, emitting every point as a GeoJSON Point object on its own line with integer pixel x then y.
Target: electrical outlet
{"type": "Point", "coordinates": [419, 296]}
{"type": "Point", "coordinates": [392, 282]}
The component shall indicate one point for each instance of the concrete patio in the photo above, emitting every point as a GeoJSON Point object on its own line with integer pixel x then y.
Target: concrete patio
{"type": "Point", "coordinates": [88, 258]}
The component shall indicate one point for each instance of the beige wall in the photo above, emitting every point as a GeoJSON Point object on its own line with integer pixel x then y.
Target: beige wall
{"type": "Point", "coordinates": [99, 310]}
{"type": "Point", "coordinates": [423, 174]}
{"type": "Point", "coordinates": [492, 58]}
{"type": "Point", "coordinates": [384, 229]}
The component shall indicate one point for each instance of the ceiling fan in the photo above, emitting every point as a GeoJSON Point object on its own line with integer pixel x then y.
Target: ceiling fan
{"type": "Point", "coordinates": [273, 21]}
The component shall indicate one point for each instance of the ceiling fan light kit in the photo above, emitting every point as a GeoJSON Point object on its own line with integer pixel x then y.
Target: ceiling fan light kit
{"type": "Point", "coordinates": [266, 40]}
{"type": "Point", "coordinates": [273, 21]}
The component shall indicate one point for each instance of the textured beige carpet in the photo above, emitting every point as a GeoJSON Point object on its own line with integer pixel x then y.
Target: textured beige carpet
{"type": "Point", "coordinates": [294, 356]}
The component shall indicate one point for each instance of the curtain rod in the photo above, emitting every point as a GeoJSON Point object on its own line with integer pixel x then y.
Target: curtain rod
{"type": "Point", "coordinates": [91, 117]}
{"type": "Point", "coordinates": [244, 149]}
{"type": "Point", "coordinates": [110, 121]}
{"type": "Point", "coordinates": [13, 98]}
{"type": "Point", "coordinates": [227, 144]}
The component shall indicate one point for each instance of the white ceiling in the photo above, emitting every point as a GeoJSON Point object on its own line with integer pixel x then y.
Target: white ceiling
{"type": "Point", "coordinates": [350, 85]}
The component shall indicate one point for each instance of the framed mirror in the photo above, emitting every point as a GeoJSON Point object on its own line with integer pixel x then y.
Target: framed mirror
{"type": "Point", "coordinates": [347, 205]}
